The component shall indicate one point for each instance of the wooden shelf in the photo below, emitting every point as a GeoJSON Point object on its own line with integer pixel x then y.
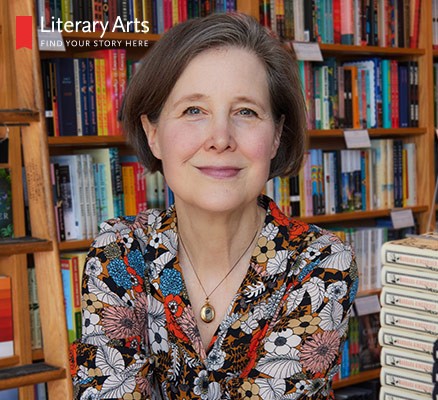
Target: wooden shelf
{"type": "Point", "coordinates": [31, 374]}
{"type": "Point", "coordinates": [374, 133]}
{"type": "Point", "coordinates": [342, 49]}
{"type": "Point", "coordinates": [70, 245]}
{"type": "Point", "coordinates": [350, 216]}
{"type": "Point", "coordinates": [9, 361]}
{"type": "Point", "coordinates": [435, 52]}
{"type": "Point", "coordinates": [24, 245]}
{"type": "Point", "coordinates": [359, 378]}
{"type": "Point", "coordinates": [18, 117]}
{"type": "Point", "coordinates": [61, 141]}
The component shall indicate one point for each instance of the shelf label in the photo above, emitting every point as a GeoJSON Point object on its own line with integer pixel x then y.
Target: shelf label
{"type": "Point", "coordinates": [307, 51]}
{"type": "Point", "coordinates": [50, 41]}
{"type": "Point", "coordinates": [357, 138]}
{"type": "Point", "coordinates": [367, 305]}
{"type": "Point", "coordinates": [402, 218]}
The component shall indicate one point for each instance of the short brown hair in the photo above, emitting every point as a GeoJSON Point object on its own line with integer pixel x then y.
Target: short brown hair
{"type": "Point", "coordinates": [165, 62]}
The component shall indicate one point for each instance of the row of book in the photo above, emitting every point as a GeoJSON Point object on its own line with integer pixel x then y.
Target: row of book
{"type": "Point", "coordinates": [409, 318]}
{"type": "Point", "coordinates": [152, 16]}
{"type": "Point", "coordinates": [369, 93]}
{"type": "Point", "coordinates": [361, 351]}
{"type": "Point", "coordinates": [335, 181]}
{"type": "Point", "coordinates": [94, 185]}
{"type": "Point", "coordinates": [384, 23]}
{"type": "Point", "coordinates": [83, 96]}
{"type": "Point", "coordinates": [72, 265]}
{"type": "Point", "coordinates": [364, 241]}
{"type": "Point", "coordinates": [7, 337]}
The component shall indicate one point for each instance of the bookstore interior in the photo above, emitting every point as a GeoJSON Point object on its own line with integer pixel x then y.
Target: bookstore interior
{"type": "Point", "coordinates": [369, 74]}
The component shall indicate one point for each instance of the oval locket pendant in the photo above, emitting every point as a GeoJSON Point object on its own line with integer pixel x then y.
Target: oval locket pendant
{"type": "Point", "coordinates": [207, 312]}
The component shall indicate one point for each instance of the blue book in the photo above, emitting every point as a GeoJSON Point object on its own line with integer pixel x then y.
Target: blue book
{"type": "Point", "coordinates": [403, 90]}
{"type": "Point", "coordinates": [65, 88]}
{"type": "Point", "coordinates": [386, 93]}
{"type": "Point", "coordinates": [83, 90]}
{"type": "Point", "coordinates": [91, 97]}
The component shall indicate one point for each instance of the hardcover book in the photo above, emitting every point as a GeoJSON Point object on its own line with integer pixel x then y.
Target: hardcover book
{"type": "Point", "coordinates": [416, 251]}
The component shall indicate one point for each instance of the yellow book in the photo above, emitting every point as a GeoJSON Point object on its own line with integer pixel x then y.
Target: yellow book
{"type": "Point", "coordinates": [129, 190]}
{"type": "Point", "coordinates": [99, 97]}
{"type": "Point", "coordinates": [104, 98]}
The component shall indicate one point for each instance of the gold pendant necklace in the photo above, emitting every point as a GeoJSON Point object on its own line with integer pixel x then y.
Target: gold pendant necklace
{"type": "Point", "coordinates": [208, 312]}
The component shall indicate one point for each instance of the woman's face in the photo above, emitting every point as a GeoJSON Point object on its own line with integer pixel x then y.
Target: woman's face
{"type": "Point", "coordinates": [216, 134]}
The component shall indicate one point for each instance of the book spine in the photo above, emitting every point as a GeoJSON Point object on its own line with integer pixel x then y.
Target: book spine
{"type": "Point", "coordinates": [6, 317]}
{"type": "Point", "coordinates": [78, 103]}
{"type": "Point", "coordinates": [409, 278]}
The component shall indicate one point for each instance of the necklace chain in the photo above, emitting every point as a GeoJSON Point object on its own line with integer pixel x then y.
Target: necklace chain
{"type": "Point", "coordinates": [207, 296]}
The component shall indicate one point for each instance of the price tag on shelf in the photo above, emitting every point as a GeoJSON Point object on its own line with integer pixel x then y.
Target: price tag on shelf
{"type": "Point", "coordinates": [307, 51]}
{"type": "Point", "coordinates": [357, 138]}
{"type": "Point", "coordinates": [50, 41]}
{"type": "Point", "coordinates": [402, 218]}
{"type": "Point", "coordinates": [367, 305]}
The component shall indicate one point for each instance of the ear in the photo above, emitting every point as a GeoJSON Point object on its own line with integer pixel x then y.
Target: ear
{"type": "Point", "coordinates": [150, 130]}
{"type": "Point", "coordinates": [277, 137]}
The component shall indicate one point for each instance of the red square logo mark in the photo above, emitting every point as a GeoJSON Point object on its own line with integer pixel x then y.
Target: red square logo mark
{"type": "Point", "coordinates": [23, 32]}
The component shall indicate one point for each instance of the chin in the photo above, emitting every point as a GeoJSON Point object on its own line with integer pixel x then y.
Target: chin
{"type": "Point", "coordinates": [224, 203]}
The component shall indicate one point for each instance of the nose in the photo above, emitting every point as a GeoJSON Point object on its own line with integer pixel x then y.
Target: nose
{"type": "Point", "coordinates": [221, 135]}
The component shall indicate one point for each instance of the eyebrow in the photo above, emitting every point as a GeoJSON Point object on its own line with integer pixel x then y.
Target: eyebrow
{"type": "Point", "coordinates": [200, 96]}
{"type": "Point", "coordinates": [191, 97]}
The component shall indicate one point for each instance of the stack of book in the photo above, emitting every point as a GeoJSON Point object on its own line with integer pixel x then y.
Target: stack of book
{"type": "Point", "coordinates": [409, 318]}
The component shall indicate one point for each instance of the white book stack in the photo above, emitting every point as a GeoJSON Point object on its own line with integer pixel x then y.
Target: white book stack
{"type": "Point", "coordinates": [409, 319]}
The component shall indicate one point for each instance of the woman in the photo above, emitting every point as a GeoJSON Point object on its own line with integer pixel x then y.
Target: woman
{"type": "Point", "coordinates": [221, 296]}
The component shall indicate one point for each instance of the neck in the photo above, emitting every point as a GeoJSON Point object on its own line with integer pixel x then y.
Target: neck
{"type": "Point", "coordinates": [209, 237]}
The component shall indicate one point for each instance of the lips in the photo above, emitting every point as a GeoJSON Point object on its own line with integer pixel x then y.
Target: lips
{"type": "Point", "coordinates": [220, 172]}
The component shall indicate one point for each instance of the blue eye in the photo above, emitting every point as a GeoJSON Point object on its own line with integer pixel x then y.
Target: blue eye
{"type": "Point", "coordinates": [192, 111]}
{"type": "Point", "coordinates": [246, 112]}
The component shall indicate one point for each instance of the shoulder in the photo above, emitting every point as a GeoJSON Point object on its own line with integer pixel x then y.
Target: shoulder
{"type": "Point", "coordinates": [126, 229]}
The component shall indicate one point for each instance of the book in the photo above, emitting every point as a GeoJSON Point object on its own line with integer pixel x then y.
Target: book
{"type": "Point", "coordinates": [413, 382]}
{"type": "Point", "coordinates": [6, 317]}
{"type": "Point", "coordinates": [6, 222]}
{"type": "Point", "coordinates": [34, 310]}
{"type": "Point", "coordinates": [409, 361]}
{"type": "Point", "coordinates": [369, 347]}
{"type": "Point", "coordinates": [410, 300]}
{"type": "Point", "coordinates": [410, 278]}
{"type": "Point", "coordinates": [392, 393]}
{"type": "Point", "coordinates": [418, 323]}
{"type": "Point", "coordinates": [415, 251]}
{"type": "Point", "coordinates": [73, 195]}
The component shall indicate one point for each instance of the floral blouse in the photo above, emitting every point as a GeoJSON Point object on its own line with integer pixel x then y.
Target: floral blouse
{"type": "Point", "coordinates": [280, 339]}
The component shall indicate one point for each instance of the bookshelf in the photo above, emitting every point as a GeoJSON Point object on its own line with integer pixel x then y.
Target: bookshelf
{"type": "Point", "coordinates": [423, 136]}
{"type": "Point", "coordinates": [24, 124]}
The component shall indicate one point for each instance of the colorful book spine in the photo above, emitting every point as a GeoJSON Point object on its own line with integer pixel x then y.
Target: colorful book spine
{"type": "Point", "coordinates": [6, 319]}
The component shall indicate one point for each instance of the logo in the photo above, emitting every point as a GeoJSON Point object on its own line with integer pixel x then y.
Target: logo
{"type": "Point", "coordinates": [23, 32]}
